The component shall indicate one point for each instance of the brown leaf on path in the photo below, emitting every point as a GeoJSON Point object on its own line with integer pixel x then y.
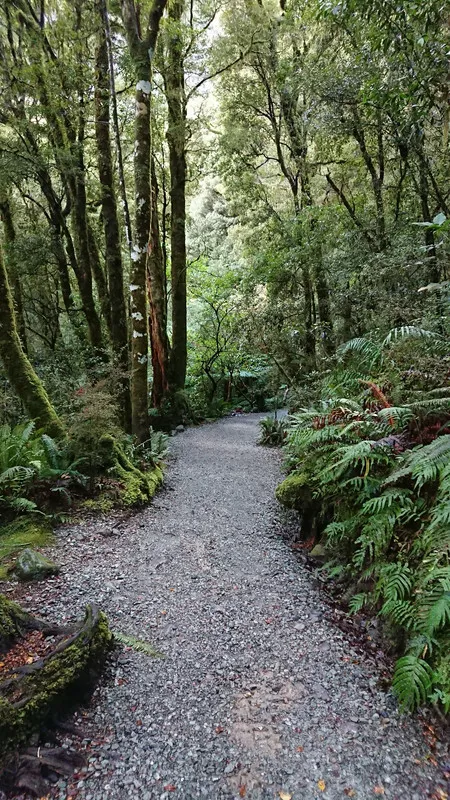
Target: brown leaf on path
{"type": "Point", "coordinates": [321, 785]}
{"type": "Point", "coordinates": [299, 749]}
{"type": "Point", "coordinates": [378, 789]}
{"type": "Point", "coordinates": [169, 787]}
{"type": "Point", "coordinates": [350, 792]}
{"type": "Point", "coordinates": [242, 790]}
{"type": "Point", "coordinates": [219, 729]}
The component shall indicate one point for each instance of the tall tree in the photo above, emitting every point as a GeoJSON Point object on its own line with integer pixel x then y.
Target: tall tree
{"type": "Point", "coordinates": [113, 254]}
{"type": "Point", "coordinates": [174, 81]}
{"type": "Point", "coordinates": [141, 38]}
{"type": "Point", "coordinates": [18, 368]}
{"type": "Point", "coordinates": [157, 295]}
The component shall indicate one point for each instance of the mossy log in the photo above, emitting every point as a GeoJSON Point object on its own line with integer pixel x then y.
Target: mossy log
{"type": "Point", "coordinates": [296, 492]}
{"type": "Point", "coordinates": [31, 694]}
{"type": "Point", "coordinates": [138, 486]}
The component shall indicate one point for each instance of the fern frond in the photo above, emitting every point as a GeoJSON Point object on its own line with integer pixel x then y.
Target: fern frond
{"type": "Point", "coordinates": [52, 451]}
{"type": "Point", "coordinates": [358, 601]}
{"type": "Point", "coordinates": [388, 499]}
{"type": "Point", "coordinates": [401, 612]}
{"type": "Point", "coordinates": [412, 681]}
{"type": "Point", "coordinates": [23, 505]}
{"type": "Point", "coordinates": [438, 615]}
{"type": "Point", "coordinates": [408, 332]}
{"type": "Point", "coordinates": [368, 350]}
{"type": "Point", "coordinates": [140, 645]}
{"type": "Point", "coordinates": [395, 581]}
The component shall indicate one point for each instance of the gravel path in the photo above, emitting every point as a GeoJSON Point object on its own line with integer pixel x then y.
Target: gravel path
{"type": "Point", "coordinates": [257, 695]}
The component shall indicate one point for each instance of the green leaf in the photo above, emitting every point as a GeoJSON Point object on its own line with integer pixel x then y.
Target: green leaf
{"type": "Point", "coordinates": [412, 681]}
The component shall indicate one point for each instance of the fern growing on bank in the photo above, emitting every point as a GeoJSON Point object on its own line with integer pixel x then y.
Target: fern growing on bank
{"type": "Point", "coordinates": [379, 475]}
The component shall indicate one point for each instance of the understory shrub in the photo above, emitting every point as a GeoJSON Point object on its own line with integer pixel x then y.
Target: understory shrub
{"type": "Point", "coordinates": [379, 478]}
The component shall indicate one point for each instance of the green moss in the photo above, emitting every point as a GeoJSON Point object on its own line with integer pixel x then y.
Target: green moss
{"type": "Point", "coordinates": [29, 531]}
{"type": "Point", "coordinates": [100, 504]}
{"type": "Point", "coordinates": [295, 491]}
{"type": "Point", "coordinates": [43, 691]}
{"type": "Point", "coordinates": [138, 487]}
{"type": "Point", "coordinates": [12, 617]}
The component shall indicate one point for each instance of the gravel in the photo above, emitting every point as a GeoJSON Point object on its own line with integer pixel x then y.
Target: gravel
{"type": "Point", "coordinates": [256, 694]}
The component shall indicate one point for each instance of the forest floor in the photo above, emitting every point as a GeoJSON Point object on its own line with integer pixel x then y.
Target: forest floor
{"type": "Point", "coordinates": [257, 692]}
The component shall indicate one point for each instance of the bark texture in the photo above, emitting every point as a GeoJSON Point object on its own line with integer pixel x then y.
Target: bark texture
{"type": "Point", "coordinates": [18, 368]}
{"type": "Point", "coordinates": [176, 139]}
{"type": "Point", "coordinates": [141, 42]}
{"type": "Point", "coordinates": [117, 314]}
{"type": "Point", "coordinates": [159, 340]}
{"type": "Point", "coordinates": [10, 237]}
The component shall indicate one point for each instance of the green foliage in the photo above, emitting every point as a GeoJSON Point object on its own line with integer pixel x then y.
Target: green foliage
{"type": "Point", "coordinates": [28, 458]}
{"type": "Point", "coordinates": [30, 531]}
{"type": "Point", "coordinates": [140, 645]}
{"type": "Point", "coordinates": [412, 681]}
{"type": "Point", "coordinates": [94, 413]}
{"type": "Point", "coordinates": [388, 495]}
{"type": "Point", "coordinates": [273, 431]}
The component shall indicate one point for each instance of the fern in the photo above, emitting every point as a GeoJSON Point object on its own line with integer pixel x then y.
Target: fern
{"type": "Point", "coordinates": [438, 614]}
{"type": "Point", "coordinates": [140, 645]}
{"type": "Point", "coordinates": [401, 612]}
{"type": "Point", "coordinates": [407, 332]}
{"type": "Point", "coordinates": [358, 601]}
{"type": "Point", "coordinates": [52, 451]}
{"type": "Point", "coordinates": [396, 581]}
{"type": "Point", "coordinates": [412, 681]}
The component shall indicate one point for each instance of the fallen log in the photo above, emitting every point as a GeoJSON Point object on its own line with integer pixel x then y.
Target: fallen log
{"type": "Point", "coordinates": [31, 694]}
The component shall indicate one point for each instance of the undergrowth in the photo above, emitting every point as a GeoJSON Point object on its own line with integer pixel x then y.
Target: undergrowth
{"type": "Point", "coordinates": [379, 478]}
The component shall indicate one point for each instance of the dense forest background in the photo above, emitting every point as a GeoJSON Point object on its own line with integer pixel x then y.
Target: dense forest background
{"type": "Point", "coordinates": [208, 206]}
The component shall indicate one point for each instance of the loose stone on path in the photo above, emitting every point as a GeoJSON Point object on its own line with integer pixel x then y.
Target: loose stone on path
{"type": "Point", "coordinates": [257, 695]}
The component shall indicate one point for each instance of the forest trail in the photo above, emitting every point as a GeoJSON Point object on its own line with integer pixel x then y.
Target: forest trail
{"type": "Point", "coordinates": [257, 694]}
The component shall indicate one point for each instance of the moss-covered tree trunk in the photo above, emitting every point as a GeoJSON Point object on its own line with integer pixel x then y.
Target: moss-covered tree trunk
{"type": "Point", "coordinates": [10, 237]}
{"type": "Point", "coordinates": [113, 252]}
{"type": "Point", "coordinates": [19, 369]}
{"type": "Point", "coordinates": [141, 42]}
{"type": "Point", "coordinates": [176, 139]}
{"type": "Point", "coordinates": [159, 340]}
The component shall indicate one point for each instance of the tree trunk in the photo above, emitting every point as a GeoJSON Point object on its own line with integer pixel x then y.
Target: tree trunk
{"type": "Point", "coordinates": [84, 275]}
{"type": "Point", "coordinates": [176, 138]}
{"type": "Point", "coordinates": [106, 32]}
{"type": "Point", "coordinates": [99, 276]}
{"type": "Point", "coordinates": [117, 314]}
{"type": "Point", "coordinates": [159, 340]}
{"type": "Point", "coordinates": [19, 369]}
{"type": "Point", "coordinates": [141, 51]}
{"type": "Point", "coordinates": [309, 338]}
{"type": "Point", "coordinates": [323, 305]}
{"type": "Point", "coordinates": [10, 237]}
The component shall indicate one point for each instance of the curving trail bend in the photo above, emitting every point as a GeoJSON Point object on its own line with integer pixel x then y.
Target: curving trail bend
{"type": "Point", "coordinates": [257, 693]}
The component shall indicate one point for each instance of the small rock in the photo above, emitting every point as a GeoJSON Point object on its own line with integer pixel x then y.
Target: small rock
{"type": "Point", "coordinates": [32, 566]}
{"type": "Point", "coordinates": [318, 552]}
